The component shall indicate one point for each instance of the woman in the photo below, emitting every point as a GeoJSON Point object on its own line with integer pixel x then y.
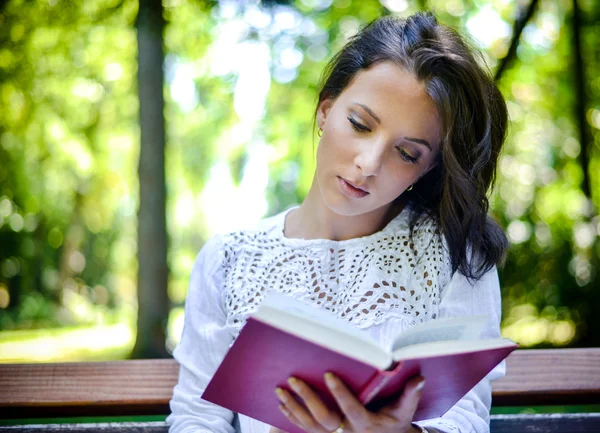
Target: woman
{"type": "Point", "coordinates": [394, 230]}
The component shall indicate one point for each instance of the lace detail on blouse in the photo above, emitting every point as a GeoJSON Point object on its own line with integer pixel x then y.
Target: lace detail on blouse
{"type": "Point", "coordinates": [364, 280]}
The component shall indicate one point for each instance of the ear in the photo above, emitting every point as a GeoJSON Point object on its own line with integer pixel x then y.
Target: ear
{"type": "Point", "coordinates": [323, 111]}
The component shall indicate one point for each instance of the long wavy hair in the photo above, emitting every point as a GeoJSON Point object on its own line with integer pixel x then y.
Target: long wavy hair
{"type": "Point", "coordinates": [474, 121]}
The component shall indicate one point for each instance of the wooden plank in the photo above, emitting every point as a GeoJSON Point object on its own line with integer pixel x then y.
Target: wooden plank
{"type": "Point", "coordinates": [140, 387]}
{"type": "Point", "coordinates": [547, 423]}
{"type": "Point", "coordinates": [135, 387]}
{"type": "Point", "coordinates": [116, 427]}
{"type": "Point", "coordinates": [549, 376]}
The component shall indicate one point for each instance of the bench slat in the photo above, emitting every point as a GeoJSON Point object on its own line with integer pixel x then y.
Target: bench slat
{"type": "Point", "coordinates": [547, 423]}
{"type": "Point", "coordinates": [135, 387]}
{"type": "Point", "coordinates": [142, 387]}
{"type": "Point", "coordinates": [116, 427]}
{"type": "Point", "coordinates": [549, 377]}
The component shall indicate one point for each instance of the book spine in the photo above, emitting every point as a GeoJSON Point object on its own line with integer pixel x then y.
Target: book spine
{"type": "Point", "coordinates": [377, 383]}
{"type": "Point", "coordinates": [372, 388]}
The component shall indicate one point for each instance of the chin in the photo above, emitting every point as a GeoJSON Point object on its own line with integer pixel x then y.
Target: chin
{"type": "Point", "coordinates": [340, 204]}
{"type": "Point", "coordinates": [345, 207]}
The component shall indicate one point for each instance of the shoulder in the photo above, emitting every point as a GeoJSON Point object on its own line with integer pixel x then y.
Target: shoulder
{"type": "Point", "coordinates": [209, 256]}
{"type": "Point", "coordinates": [425, 234]}
{"type": "Point", "coordinates": [222, 251]}
{"type": "Point", "coordinates": [429, 247]}
{"type": "Point", "coordinates": [257, 234]}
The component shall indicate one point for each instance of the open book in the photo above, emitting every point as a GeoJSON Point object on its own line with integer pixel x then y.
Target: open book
{"type": "Point", "coordinates": [286, 337]}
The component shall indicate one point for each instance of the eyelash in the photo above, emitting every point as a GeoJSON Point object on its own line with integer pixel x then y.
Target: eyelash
{"type": "Point", "coordinates": [362, 128]}
{"type": "Point", "coordinates": [358, 126]}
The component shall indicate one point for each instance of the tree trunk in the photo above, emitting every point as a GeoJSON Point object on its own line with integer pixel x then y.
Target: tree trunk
{"type": "Point", "coordinates": [153, 301]}
{"type": "Point", "coordinates": [581, 102]}
{"type": "Point", "coordinates": [586, 141]}
{"type": "Point", "coordinates": [523, 17]}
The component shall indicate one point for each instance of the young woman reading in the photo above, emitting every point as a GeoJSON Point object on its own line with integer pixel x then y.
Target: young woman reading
{"type": "Point", "coordinates": [394, 230]}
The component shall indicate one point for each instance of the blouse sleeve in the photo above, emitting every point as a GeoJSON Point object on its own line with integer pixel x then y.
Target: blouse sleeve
{"type": "Point", "coordinates": [461, 298]}
{"type": "Point", "coordinates": [204, 343]}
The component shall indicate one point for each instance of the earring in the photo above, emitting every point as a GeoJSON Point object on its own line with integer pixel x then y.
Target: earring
{"type": "Point", "coordinates": [320, 132]}
{"type": "Point", "coordinates": [410, 187]}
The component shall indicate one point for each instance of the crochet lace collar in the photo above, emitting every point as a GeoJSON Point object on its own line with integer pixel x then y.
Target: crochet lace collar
{"type": "Point", "coordinates": [399, 222]}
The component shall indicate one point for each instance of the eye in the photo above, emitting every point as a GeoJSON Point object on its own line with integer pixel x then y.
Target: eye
{"type": "Point", "coordinates": [359, 127]}
{"type": "Point", "coordinates": [408, 157]}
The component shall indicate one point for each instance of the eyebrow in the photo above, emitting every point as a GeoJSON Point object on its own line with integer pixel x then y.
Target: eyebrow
{"type": "Point", "coordinates": [368, 110]}
{"type": "Point", "coordinates": [420, 141]}
{"type": "Point", "coordinates": [414, 140]}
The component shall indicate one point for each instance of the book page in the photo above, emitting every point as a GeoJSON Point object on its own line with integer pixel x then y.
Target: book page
{"type": "Point", "coordinates": [451, 328]}
{"type": "Point", "coordinates": [440, 348]}
{"type": "Point", "coordinates": [321, 327]}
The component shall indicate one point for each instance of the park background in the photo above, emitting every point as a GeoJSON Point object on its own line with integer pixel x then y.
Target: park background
{"type": "Point", "coordinates": [109, 186]}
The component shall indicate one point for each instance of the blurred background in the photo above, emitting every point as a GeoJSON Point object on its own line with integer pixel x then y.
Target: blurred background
{"type": "Point", "coordinates": [131, 132]}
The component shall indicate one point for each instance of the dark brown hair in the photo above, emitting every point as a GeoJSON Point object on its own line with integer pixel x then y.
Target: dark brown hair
{"type": "Point", "coordinates": [474, 121]}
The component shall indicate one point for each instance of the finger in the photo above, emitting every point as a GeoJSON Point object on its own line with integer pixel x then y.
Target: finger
{"type": "Point", "coordinates": [328, 419]}
{"type": "Point", "coordinates": [289, 416]}
{"type": "Point", "coordinates": [299, 412]}
{"type": "Point", "coordinates": [405, 407]}
{"type": "Point", "coordinates": [352, 408]}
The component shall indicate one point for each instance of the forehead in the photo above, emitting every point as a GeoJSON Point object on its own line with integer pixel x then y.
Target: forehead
{"type": "Point", "coordinates": [398, 99]}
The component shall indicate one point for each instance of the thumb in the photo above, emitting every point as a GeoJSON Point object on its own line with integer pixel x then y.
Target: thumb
{"type": "Point", "coordinates": [275, 430]}
{"type": "Point", "coordinates": [405, 406]}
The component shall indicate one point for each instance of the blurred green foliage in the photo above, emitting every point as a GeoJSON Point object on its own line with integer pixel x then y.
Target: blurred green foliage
{"type": "Point", "coordinates": [69, 141]}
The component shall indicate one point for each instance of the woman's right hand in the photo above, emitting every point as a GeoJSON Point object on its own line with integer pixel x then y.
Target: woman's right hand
{"type": "Point", "coordinates": [313, 416]}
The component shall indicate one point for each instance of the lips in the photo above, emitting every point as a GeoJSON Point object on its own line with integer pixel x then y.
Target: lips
{"type": "Point", "coordinates": [351, 190]}
{"type": "Point", "coordinates": [354, 185]}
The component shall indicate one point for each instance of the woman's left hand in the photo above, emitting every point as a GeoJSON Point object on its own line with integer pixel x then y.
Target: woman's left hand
{"type": "Point", "coordinates": [316, 417]}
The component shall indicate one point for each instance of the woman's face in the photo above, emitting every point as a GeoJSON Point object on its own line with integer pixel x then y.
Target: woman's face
{"type": "Point", "coordinates": [380, 135]}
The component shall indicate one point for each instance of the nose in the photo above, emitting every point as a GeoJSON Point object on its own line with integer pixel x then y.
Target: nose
{"type": "Point", "coordinates": [370, 160]}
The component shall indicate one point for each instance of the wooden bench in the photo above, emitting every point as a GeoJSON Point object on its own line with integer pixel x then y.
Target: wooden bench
{"type": "Point", "coordinates": [144, 387]}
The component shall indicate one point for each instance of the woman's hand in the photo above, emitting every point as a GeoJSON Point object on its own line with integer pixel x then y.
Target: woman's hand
{"type": "Point", "coordinates": [316, 417]}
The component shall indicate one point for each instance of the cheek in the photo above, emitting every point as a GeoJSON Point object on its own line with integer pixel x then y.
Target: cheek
{"type": "Point", "coordinates": [325, 156]}
{"type": "Point", "coordinates": [401, 176]}
{"type": "Point", "coordinates": [335, 147]}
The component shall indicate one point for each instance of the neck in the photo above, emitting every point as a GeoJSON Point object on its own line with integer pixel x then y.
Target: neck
{"type": "Point", "coordinates": [315, 220]}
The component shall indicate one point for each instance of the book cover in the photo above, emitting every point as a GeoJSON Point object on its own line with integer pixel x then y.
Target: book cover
{"type": "Point", "coordinates": [263, 357]}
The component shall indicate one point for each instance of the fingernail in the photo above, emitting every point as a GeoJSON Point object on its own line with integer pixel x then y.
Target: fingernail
{"type": "Point", "coordinates": [330, 380]}
{"type": "Point", "coordinates": [294, 383]}
{"type": "Point", "coordinates": [280, 393]}
{"type": "Point", "coordinates": [420, 385]}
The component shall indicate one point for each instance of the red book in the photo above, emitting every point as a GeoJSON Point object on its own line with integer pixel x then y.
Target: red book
{"type": "Point", "coordinates": [286, 337]}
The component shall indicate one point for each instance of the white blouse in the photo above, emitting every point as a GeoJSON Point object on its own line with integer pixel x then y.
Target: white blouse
{"type": "Point", "coordinates": [382, 283]}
